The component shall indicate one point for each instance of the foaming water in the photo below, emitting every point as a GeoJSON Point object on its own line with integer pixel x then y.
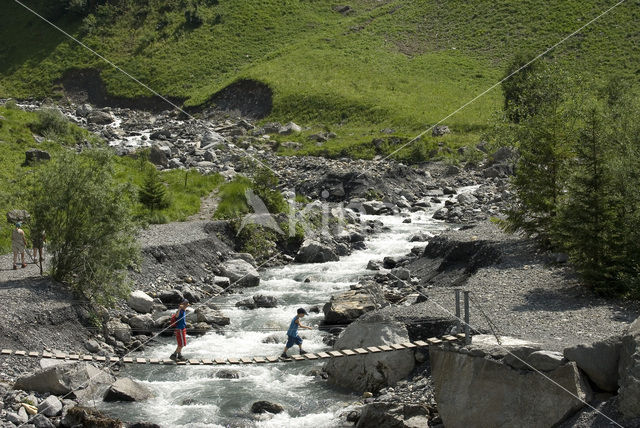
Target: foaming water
{"type": "Point", "coordinates": [193, 396]}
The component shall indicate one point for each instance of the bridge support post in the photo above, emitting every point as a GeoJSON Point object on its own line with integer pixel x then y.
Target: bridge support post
{"type": "Point", "coordinates": [458, 323]}
{"type": "Point", "coordinates": [467, 329]}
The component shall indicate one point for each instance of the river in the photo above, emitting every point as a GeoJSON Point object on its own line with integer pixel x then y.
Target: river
{"type": "Point", "coordinates": [192, 396]}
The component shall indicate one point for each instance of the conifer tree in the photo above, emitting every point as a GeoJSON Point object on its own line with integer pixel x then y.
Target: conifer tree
{"type": "Point", "coordinates": [153, 193]}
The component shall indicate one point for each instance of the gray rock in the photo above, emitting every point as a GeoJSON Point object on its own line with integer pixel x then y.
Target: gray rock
{"type": "Point", "coordinates": [221, 281]}
{"type": "Point", "coordinates": [629, 371]}
{"type": "Point", "coordinates": [141, 302]}
{"type": "Point", "coordinates": [246, 303]}
{"type": "Point", "coordinates": [394, 415]}
{"type": "Point", "coordinates": [240, 273]}
{"type": "Point", "coordinates": [545, 360]}
{"type": "Point", "coordinates": [211, 316]}
{"type": "Point", "coordinates": [493, 394]}
{"type": "Point", "coordinates": [210, 139]}
{"type": "Point", "coordinates": [266, 406]}
{"type": "Point", "coordinates": [125, 389]}
{"type": "Point", "coordinates": [371, 372]}
{"type": "Point", "coordinates": [15, 216]}
{"type": "Point", "coordinates": [227, 374]}
{"type": "Point", "coordinates": [41, 421]}
{"type": "Point", "coordinates": [18, 418]}
{"type": "Point", "coordinates": [599, 360]}
{"type": "Point", "coordinates": [441, 214]}
{"type": "Point", "coordinates": [401, 273]}
{"type": "Point", "coordinates": [98, 117]}
{"type": "Point", "coordinates": [210, 156]}
{"type": "Point", "coordinates": [315, 252]}
{"type": "Point", "coordinates": [374, 265]}
{"type": "Point", "coordinates": [504, 154]}
{"type": "Point", "coordinates": [79, 416]}
{"type": "Point", "coordinates": [346, 307]}
{"type": "Point", "coordinates": [92, 346]}
{"type": "Point", "coordinates": [467, 199]}
{"type": "Point", "coordinates": [171, 297]}
{"type": "Point", "coordinates": [119, 330]}
{"type": "Point", "coordinates": [65, 378]}
{"type": "Point", "coordinates": [517, 357]}
{"type": "Point", "coordinates": [83, 110]}
{"type": "Point", "coordinates": [263, 301]}
{"type": "Point", "coordinates": [290, 128]}
{"type": "Point", "coordinates": [440, 130]}
{"type": "Point", "coordinates": [157, 156]}
{"type": "Point", "coordinates": [142, 324]}
{"type": "Point", "coordinates": [50, 407]}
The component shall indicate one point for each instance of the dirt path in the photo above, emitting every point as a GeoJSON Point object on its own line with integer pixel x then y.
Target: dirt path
{"type": "Point", "coordinates": [208, 205]}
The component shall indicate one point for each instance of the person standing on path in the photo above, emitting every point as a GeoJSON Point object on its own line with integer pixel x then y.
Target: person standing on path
{"type": "Point", "coordinates": [18, 245]}
{"type": "Point", "coordinates": [179, 322]}
{"type": "Point", "coordinates": [39, 238]}
{"type": "Point", "coordinates": [292, 333]}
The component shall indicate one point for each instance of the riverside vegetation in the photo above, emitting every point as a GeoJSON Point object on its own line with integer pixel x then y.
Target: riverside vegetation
{"type": "Point", "coordinates": [577, 177]}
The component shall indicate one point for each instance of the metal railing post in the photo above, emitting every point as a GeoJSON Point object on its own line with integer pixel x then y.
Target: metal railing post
{"type": "Point", "coordinates": [467, 330]}
{"type": "Point", "coordinates": [458, 323]}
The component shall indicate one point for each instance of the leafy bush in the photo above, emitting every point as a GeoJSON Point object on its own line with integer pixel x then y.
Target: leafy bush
{"type": "Point", "coordinates": [51, 123]}
{"type": "Point", "coordinates": [87, 215]}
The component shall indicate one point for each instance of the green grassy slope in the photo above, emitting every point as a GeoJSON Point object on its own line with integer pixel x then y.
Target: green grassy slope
{"type": "Point", "coordinates": [398, 64]}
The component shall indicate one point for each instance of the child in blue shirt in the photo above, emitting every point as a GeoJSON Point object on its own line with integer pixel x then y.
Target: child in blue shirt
{"type": "Point", "coordinates": [180, 330]}
{"type": "Point", "coordinates": [292, 333]}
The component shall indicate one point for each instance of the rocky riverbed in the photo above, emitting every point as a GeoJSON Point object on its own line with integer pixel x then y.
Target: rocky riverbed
{"type": "Point", "coordinates": [516, 291]}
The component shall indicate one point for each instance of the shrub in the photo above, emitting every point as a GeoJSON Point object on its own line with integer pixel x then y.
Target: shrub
{"type": "Point", "coordinates": [50, 123]}
{"type": "Point", "coordinates": [88, 219]}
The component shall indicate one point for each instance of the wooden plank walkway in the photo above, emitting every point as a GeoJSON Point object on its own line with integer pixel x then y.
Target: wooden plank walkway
{"type": "Point", "coordinates": [341, 353]}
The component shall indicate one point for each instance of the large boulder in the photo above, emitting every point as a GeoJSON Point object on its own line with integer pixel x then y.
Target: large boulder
{"type": "Point", "coordinates": [263, 301]}
{"type": "Point", "coordinates": [493, 394]}
{"type": "Point", "coordinates": [599, 360]}
{"type": "Point", "coordinates": [99, 117]}
{"type": "Point", "coordinates": [125, 389]}
{"type": "Point", "coordinates": [171, 297]}
{"type": "Point", "coordinates": [371, 372]}
{"type": "Point", "coordinates": [344, 308]}
{"type": "Point", "coordinates": [315, 252]}
{"type": "Point", "coordinates": [141, 302]}
{"type": "Point", "coordinates": [211, 316]}
{"type": "Point", "coordinates": [629, 370]}
{"type": "Point", "coordinates": [82, 379]}
{"type": "Point", "coordinates": [394, 415]}
{"type": "Point", "coordinates": [142, 324]}
{"type": "Point", "coordinates": [241, 273]}
{"type": "Point", "coordinates": [119, 330]}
